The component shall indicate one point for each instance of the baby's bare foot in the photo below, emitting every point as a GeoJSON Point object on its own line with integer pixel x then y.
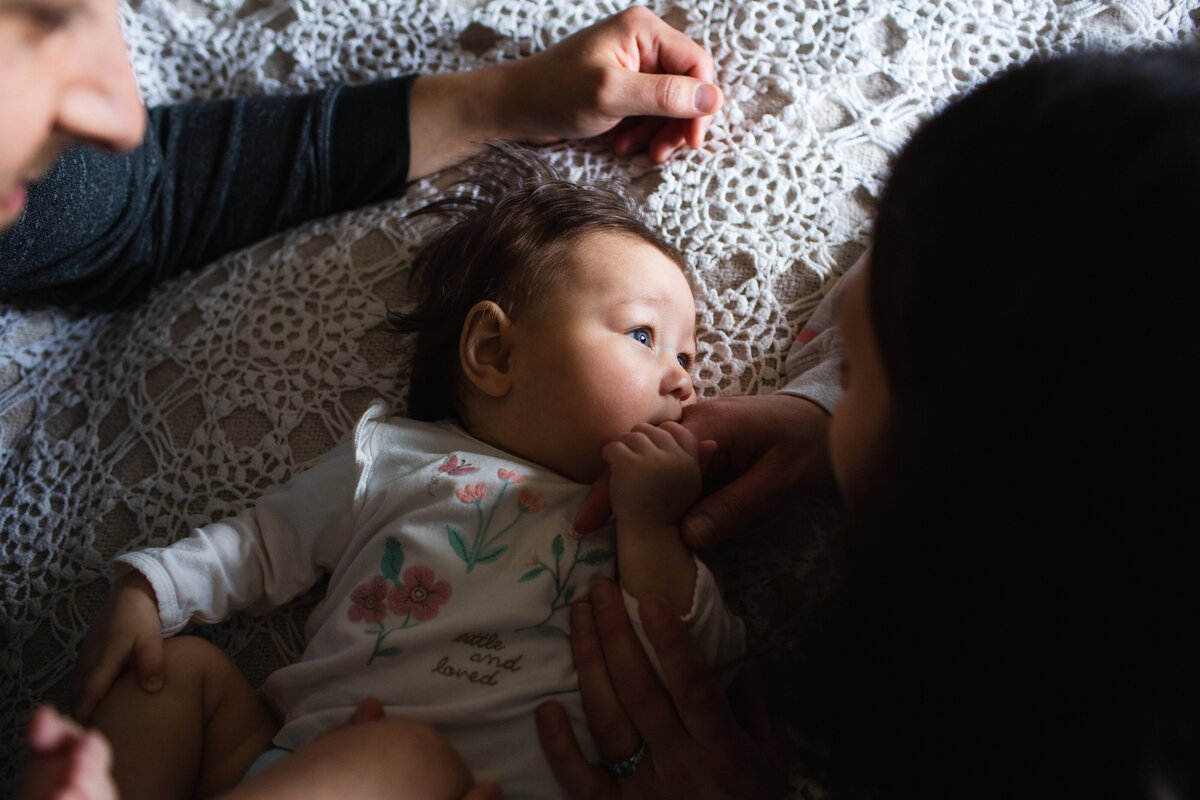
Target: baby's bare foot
{"type": "Point", "coordinates": [66, 762]}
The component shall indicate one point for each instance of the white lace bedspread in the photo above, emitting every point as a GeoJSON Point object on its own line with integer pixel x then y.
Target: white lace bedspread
{"type": "Point", "coordinates": [125, 430]}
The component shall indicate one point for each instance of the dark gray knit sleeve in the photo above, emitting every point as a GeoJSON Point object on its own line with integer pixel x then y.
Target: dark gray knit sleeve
{"type": "Point", "coordinates": [102, 229]}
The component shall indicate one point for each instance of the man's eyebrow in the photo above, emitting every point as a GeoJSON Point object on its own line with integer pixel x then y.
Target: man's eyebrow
{"type": "Point", "coordinates": [49, 11]}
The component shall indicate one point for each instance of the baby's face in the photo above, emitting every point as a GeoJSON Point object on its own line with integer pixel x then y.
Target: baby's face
{"type": "Point", "coordinates": [614, 347]}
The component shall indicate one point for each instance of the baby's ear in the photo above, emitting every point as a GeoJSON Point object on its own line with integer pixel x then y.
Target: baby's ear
{"type": "Point", "coordinates": [484, 348]}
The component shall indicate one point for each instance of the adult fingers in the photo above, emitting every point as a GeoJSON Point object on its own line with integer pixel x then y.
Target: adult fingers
{"type": "Point", "coordinates": [669, 138]}
{"type": "Point", "coordinates": [637, 687]}
{"type": "Point", "coordinates": [634, 136]}
{"type": "Point", "coordinates": [698, 696]}
{"type": "Point", "coordinates": [725, 511]}
{"type": "Point", "coordinates": [669, 51]}
{"type": "Point", "coordinates": [596, 508]}
{"type": "Point", "coordinates": [662, 48]}
{"type": "Point", "coordinates": [611, 728]}
{"type": "Point", "coordinates": [578, 778]}
{"type": "Point", "coordinates": [675, 96]}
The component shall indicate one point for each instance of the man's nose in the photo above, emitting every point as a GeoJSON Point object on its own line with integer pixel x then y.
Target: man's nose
{"type": "Point", "coordinates": [100, 103]}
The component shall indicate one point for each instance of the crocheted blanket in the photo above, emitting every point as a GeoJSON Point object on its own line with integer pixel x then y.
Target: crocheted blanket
{"type": "Point", "coordinates": [125, 430]}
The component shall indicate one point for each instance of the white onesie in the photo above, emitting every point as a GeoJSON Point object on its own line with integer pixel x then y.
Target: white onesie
{"type": "Point", "coordinates": [451, 568]}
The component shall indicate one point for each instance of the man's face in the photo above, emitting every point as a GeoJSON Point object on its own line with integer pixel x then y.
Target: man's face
{"type": "Point", "coordinates": [64, 78]}
{"type": "Point", "coordinates": [613, 348]}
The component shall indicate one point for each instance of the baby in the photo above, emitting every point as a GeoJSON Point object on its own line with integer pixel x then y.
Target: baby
{"type": "Point", "coordinates": [555, 333]}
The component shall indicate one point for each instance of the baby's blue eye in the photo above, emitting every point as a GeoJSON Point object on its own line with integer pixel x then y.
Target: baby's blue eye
{"type": "Point", "coordinates": [642, 335]}
{"type": "Point", "coordinates": [684, 360]}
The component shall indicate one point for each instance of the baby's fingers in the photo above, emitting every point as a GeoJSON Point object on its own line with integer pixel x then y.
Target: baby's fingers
{"type": "Point", "coordinates": [148, 652]}
{"type": "Point", "coordinates": [92, 685]}
{"type": "Point", "coordinates": [97, 678]}
{"type": "Point", "coordinates": [682, 437]}
{"type": "Point", "coordinates": [616, 452]}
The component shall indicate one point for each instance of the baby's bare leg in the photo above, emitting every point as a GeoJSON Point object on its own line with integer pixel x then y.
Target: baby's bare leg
{"type": "Point", "coordinates": [195, 737]}
{"type": "Point", "coordinates": [375, 759]}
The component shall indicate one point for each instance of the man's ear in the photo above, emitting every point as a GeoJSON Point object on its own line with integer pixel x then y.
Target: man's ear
{"type": "Point", "coordinates": [483, 348]}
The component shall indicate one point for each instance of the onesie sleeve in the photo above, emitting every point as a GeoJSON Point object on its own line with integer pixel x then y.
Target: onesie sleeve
{"type": "Point", "coordinates": [102, 229]}
{"type": "Point", "coordinates": [812, 362]}
{"type": "Point", "coordinates": [260, 558]}
{"type": "Point", "coordinates": [718, 634]}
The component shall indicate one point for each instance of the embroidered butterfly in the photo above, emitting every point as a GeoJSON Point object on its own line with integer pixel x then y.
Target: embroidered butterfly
{"type": "Point", "coordinates": [451, 466]}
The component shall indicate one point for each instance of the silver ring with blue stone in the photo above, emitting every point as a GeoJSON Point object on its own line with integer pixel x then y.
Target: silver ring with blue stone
{"type": "Point", "coordinates": [626, 768]}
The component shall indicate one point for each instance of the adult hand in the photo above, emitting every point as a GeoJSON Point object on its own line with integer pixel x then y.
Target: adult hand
{"type": "Point", "coordinates": [630, 65]}
{"type": "Point", "coordinates": [694, 747]}
{"type": "Point", "coordinates": [774, 446]}
{"type": "Point", "coordinates": [630, 68]}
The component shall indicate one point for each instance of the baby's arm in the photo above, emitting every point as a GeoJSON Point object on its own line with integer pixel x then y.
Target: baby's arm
{"type": "Point", "coordinates": [655, 474]}
{"type": "Point", "coordinates": [258, 559]}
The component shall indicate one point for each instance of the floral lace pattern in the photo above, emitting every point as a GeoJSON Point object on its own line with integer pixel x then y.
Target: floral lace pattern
{"type": "Point", "coordinates": [125, 430]}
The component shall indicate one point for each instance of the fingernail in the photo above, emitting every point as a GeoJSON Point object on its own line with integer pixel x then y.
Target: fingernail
{"type": "Point", "coordinates": [603, 594]}
{"type": "Point", "coordinates": [698, 530]}
{"type": "Point", "coordinates": [154, 683]}
{"type": "Point", "coordinates": [705, 98]}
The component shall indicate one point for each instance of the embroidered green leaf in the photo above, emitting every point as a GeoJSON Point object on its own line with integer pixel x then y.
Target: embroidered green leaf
{"type": "Point", "coordinates": [556, 547]}
{"type": "Point", "coordinates": [456, 541]}
{"type": "Point", "coordinates": [569, 593]}
{"type": "Point", "coordinates": [390, 651]}
{"type": "Point", "coordinates": [491, 555]}
{"type": "Point", "coordinates": [594, 558]}
{"type": "Point", "coordinates": [533, 573]}
{"type": "Point", "coordinates": [392, 561]}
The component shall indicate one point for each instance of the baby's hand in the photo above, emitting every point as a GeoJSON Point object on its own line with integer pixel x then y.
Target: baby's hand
{"type": "Point", "coordinates": [655, 474]}
{"type": "Point", "coordinates": [127, 633]}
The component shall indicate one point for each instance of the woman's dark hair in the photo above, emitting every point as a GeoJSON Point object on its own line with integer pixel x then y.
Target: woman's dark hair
{"type": "Point", "coordinates": [1024, 618]}
{"type": "Point", "coordinates": [509, 226]}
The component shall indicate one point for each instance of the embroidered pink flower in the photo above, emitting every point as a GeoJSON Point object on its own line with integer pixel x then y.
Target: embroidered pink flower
{"type": "Point", "coordinates": [369, 602]}
{"type": "Point", "coordinates": [472, 493]}
{"type": "Point", "coordinates": [451, 466]}
{"type": "Point", "coordinates": [530, 501]}
{"type": "Point", "coordinates": [533, 562]}
{"type": "Point", "coordinates": [510, 475]}
{"type": "Point", "coordinates": [422, 594]}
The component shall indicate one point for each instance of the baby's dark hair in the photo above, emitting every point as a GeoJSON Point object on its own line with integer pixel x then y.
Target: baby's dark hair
{"type": "Point", "coordinates": [509, 225]}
